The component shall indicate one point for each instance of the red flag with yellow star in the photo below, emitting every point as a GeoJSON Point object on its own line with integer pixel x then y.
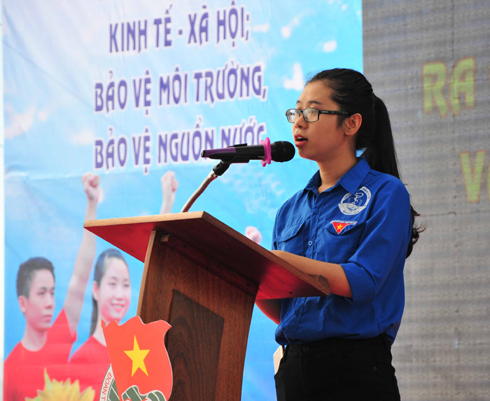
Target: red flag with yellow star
{"type": "Point", "coordinates": [139, 357]}
{"type": "Point", "coordinates": [340, 225]}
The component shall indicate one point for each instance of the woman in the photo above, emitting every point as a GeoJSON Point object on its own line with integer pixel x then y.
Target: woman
{"type": "Point", "coordinates": [353, 224]}
{"type": "Point", "coordinates": [111, 296]}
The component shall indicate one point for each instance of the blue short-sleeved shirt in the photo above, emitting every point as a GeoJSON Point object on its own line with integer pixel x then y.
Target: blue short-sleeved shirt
{"type": "Point", "coordinates": [364, 224]}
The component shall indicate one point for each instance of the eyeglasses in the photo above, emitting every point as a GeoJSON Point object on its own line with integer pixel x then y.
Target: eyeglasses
{"type": "Point", "coordinates": [310, 114]}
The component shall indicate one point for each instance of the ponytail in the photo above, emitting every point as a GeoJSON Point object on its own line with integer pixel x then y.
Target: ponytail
{"type": "Point", "coordinates": [354, 94]}
{"type": "Point", "coordinates": [381, 153]}
{"type": "Point", "coordinates": [381, 156]}
{"type": "Point", "coordinates": [95, 314]}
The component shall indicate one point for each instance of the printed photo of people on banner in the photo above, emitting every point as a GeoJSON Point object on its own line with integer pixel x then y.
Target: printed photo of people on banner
{"type": "Point", "coordinates": [108, 106]}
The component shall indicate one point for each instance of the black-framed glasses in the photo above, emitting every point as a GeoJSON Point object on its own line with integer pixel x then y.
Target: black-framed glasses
{"type": "Point", "coordinates": [310, 114]}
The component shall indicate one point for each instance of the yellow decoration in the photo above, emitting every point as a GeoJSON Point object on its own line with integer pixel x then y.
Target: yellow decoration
{"type": "Point", "coordinates": [55, 390]}
{"type": "Point", "coordinates": [138, 356]}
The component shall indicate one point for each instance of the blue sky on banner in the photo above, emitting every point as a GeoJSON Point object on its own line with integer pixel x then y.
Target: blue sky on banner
{"type": "Point", "coordinates": [148, 77]}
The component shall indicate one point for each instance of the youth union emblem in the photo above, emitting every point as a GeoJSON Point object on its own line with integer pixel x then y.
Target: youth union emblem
{"type": "Point", "coordinates": [355, 203]}
{"type": "Point", "coordinates": [140, 366]}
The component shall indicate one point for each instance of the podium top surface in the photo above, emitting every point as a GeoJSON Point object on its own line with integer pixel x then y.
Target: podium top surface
{"type": "Point", "coordinates": [274, 277]}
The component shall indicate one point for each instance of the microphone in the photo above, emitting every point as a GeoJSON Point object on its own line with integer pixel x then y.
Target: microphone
{"type": "Point", "coordinates": [280, 151]}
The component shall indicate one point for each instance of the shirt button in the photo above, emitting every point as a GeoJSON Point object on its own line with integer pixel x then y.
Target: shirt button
{"type": "Point", "coordinates": [310, 243]}
{"type": "Point", "coordinates": [315, 211]}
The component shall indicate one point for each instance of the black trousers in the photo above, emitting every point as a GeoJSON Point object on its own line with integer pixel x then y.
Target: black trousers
{"type": "Point", "coordinates": [337, 369]}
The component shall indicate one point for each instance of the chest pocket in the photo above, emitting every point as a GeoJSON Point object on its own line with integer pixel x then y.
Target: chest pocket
{"type": "Point", "coordinates": [342, 238]}
{"type": "Point", "coordinates": [293, 239]}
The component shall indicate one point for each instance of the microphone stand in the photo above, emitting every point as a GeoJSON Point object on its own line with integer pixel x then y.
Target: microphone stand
{"type": "Point", "coordinates": [217, 171]}
{"type": "Point", "coordinates": [222, 166]}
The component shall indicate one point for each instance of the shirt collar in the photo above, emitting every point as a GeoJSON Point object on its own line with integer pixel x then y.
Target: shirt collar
{"type": "Point", "coordinates": [350, 181]}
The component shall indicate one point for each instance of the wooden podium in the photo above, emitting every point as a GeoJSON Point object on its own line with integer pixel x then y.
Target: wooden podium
{"type": "Point", "coordinates": [203, 277]}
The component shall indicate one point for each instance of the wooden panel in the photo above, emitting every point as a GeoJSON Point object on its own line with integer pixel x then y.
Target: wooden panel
{"type": "Point", "coordinates": [209, 264]}
{"type": "Point", "coordinates": [229, 249]}
{"type": "Point", "coordinates": [166, 271]}
{"type": "Point", "coordinates": [193, 344]}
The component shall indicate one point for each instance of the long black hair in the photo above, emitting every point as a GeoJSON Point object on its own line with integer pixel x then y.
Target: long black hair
{"type": "Point", "coordinates": [352, 92]}
{"type": "Point", "coordinates": [99, 272]}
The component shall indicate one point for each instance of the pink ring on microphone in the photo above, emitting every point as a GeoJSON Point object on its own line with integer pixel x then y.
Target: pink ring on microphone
{"type": "Point", "coordinates": [267, 152]}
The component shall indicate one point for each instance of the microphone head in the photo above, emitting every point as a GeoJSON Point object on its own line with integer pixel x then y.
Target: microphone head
{"type": "Point", "coordinates": [282, 151]}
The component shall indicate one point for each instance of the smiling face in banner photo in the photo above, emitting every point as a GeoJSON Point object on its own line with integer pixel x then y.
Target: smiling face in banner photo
{"type": "Point", "coordinates": [135, 90]}
{"type": "Point", "coordinates": [112, 288]}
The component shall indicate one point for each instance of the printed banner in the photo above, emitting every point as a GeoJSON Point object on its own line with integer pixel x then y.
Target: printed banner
{"type": "Point", "coordinates": [108, 106]}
